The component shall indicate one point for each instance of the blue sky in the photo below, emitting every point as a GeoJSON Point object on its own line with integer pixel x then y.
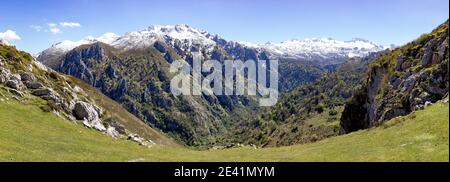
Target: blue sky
{"type": "Point", "coordinates": [381, 21]}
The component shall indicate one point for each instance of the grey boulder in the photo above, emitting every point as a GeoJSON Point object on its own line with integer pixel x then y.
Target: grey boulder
{"type": "Point", "coordinates": [90, 115]}
{"type": "Point", "coordinates": [33, 85]}
{"type": "Point", "coordinates": [42, 92]}
{"type": "Point", "coordinates": [15, 84]}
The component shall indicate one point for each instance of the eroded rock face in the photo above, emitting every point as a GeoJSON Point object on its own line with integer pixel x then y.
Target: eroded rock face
{"type": "Point", "coordinates": [418, 78]}
{"type": "Point", "coordinates": [14, 81]}
{"type": "Point", "coordinates": [4, 75]}
{"type": "Point", "coordinates": [90, 115]}
{"type": "Point", "coordinates": [160, 47]}
{"type": "Point", "coordinates": [111, 131]}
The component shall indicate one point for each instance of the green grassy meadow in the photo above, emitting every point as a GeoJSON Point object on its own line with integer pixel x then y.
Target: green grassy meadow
{"type": "Point", "coordinates": [29, 134]}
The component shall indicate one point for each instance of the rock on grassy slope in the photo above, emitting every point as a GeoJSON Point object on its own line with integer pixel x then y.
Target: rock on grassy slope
{"type": "Point", "coordinates": [42, 136]}
{"type": "Point", "coordinates": [28, 82]}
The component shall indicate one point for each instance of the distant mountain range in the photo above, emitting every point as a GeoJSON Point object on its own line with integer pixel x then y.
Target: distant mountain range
{"type": "Point", "coordinates": [186, 37]}
{"type": "Point", "coordinates": [321, 48]}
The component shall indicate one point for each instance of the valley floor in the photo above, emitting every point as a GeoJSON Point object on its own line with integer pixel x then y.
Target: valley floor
{"type": "Point", "coordinates": [29, 134]}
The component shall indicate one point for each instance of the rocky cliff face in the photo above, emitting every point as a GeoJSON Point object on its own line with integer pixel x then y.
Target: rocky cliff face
{"type": "Point", "coordinates": [139, 79]}
{"type": "Point", "coordinates": [401, 81]}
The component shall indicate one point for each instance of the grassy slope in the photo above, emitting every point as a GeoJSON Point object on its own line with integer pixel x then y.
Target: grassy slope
{"type": "Point", "coordinates": [28, 134]}
{"type": "Point", "coordinates": [16, 60]}
{"type": "Point", "coordinates": [131, 122]}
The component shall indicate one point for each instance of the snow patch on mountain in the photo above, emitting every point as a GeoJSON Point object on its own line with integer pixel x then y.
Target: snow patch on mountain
{"type": "Point", "coordinates": [108, 38]}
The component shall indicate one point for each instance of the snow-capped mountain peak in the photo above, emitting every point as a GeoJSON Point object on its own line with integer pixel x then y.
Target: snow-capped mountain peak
{"type": "Point", "coordinates": [181, 31]}
{"type": "Point", "coordinates": [48, 55]}
{"type": "Point", "coordinates": [165, 33]}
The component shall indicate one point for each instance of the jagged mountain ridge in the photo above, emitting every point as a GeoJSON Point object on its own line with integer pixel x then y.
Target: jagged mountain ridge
{"type": "Point", "coordinates": [301, 62]}
{"type": "Point", "coordinates": [185, 37]}
{"type": "Point", "coordinates": [323, 48]}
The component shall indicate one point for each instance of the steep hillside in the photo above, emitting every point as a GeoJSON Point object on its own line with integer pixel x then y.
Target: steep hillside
{"type": "Point", "coordinates": [401, 81]}
{"type": "Point", "coordinates": [40, 136]}
{"type": "Point", "coordinates": [308, 113]}
{"type": "Point", "coordinates": [140, 81]}
{"type": "Point", "coordinates": [115, 113]}
{"type": "Point", "coordinates": [26, 81]}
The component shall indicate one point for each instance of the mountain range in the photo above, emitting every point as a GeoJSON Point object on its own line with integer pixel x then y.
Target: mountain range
{"type": "Point", "coordinates": [187, 37]}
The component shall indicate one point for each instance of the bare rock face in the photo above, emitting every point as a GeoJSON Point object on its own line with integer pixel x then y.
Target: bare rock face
{"type": "Point", "coordinates": [90, 115]}
{"type": "Point", "coordinates": [11, 80]}
{"type": "Point", "coordinates": [19, 82]}
{"type": "Point", "coordinates": [418, 79]}
{"type": "Point", "coordinates": [4, 75]}
{"type": "Point", "coordinates": [29, 80]}
{"type": "Point", "coordinates": [14, 81]}
{"type": "Point", "coordinates": [111, 131]}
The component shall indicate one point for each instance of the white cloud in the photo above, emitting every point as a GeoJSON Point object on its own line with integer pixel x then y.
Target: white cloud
{"type": "Point", "coordinates": [55, 30]}
{"type": "Point", "coordinates": [9, 35]}
{"type": "Point", "coordinates": [51, 25]}
{"type": "Point", "coordinates": [70, 24]}
{"type": "Point", "coordinates": [36, 27]}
